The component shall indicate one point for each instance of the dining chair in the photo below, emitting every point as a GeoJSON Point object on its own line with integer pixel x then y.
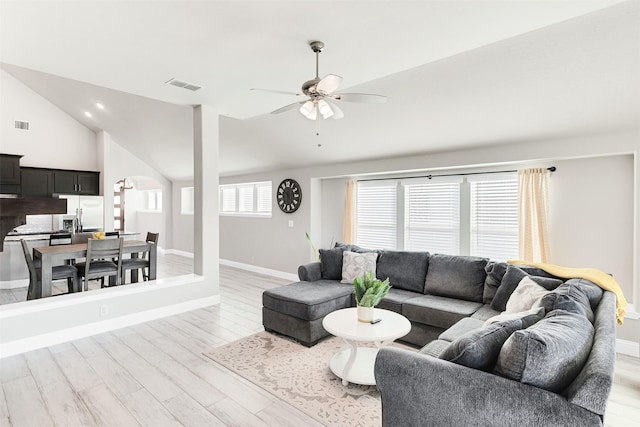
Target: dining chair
{"type": "Point", "coordinates": [59, 239]}
{"type": "Point", "coordinates": [111, 234]}
{"type": "Point", "coordinates": [141, 262]}
{"type": "Point", "coordinates": [98, 263]}
{"type": "Point", "coordinates": [58, 272]}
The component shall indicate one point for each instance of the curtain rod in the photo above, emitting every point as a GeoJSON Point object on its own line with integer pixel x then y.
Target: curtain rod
{"type": "Point", "coordinates": [550, 169]}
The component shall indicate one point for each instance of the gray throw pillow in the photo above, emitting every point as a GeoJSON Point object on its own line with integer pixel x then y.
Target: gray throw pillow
{"type": "Point", "coordinates": [495, 272]}
{"type": "Point", "coordinates": [331, 263]}
{"type": "Point", "coordinates": [549, 354]}
{"type": "Point", "coordinates": [460, 277]}
{"type": "Point", "coordinates": [510, 282]}
{"type": "Point", "coordinates": [405, 270]}
{"type": "Point", "coordinates": [479, 349]}
{"type": "Point", "coordinates": [558, 300]}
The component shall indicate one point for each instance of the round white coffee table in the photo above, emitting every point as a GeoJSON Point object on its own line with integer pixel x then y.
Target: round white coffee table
{"type": "Point", "coordinates": [355, 364]}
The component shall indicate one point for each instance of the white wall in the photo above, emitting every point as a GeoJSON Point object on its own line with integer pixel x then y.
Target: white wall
{"type": "Point", "coordinates": [54, 139]}
{"type": "Point", "coordinates": [118, 164]}
{"type": "Point", "coordinates": [613, 247]}
{"type": "Point", "coordinates": [182, 223]}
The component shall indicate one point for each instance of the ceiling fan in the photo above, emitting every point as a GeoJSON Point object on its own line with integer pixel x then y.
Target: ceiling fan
{"type": "Point", "coordinates": [321, 99]}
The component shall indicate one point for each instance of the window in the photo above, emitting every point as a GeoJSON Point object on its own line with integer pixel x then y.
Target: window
{"type": "Point", "coordinates": [377, 214]}
{"type": "Point", "coordinates": [247, 199]}
{"type": "Point", "coordinates": [186, 200]}
{"type": "Point", "coordinates": [432, 217]}
{"type": "Point", "coordinates": [473, 215]}
{"type": "Point", "coordinates": [154, 200]}
{"type": "Point", "coordinates": [494, 218]}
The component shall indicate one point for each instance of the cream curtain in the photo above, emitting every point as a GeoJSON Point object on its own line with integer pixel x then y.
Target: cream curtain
{"type": "Point", "coordinates": [349, 221]}
{"type": "Point", "coordinates": [533, 210]}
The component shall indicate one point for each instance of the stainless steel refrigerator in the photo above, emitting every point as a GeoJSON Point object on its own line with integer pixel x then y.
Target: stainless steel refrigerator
{"type": "Point", "coordinates": [89, 211]}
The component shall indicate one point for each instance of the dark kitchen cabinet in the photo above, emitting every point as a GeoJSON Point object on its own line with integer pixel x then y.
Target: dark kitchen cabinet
{"type": "Point", "coordinates": [9, 173]}
{"type": "Point", "coordinates": [37, 182]}
{"type": "Point", "coordinates": [76, 182]}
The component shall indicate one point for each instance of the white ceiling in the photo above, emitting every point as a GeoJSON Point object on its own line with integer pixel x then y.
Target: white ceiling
{"type": "Point", "coordinates": [456, 73]}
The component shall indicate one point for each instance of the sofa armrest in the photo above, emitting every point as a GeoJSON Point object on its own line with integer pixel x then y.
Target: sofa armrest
{"type": "Point", "coordinates": [310, 272]}
{"type": "Point", "coordinates": [419, 390]}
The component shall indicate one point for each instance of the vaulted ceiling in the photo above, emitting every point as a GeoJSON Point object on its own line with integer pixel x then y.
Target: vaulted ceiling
{"type": "Point", "coordinates": [456, 74]}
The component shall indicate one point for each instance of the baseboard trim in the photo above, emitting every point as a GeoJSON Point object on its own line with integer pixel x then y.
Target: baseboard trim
{"type": "Point", "coordinates": [629, 348]}
{"type": "Point", "coordinates": [178, 252]}
{"type": "Point", "coordinates": [260, 270]}
{"type": "Point", "coordinates": [12, 284]}
{"type": "Point", "coordinates": [45, 340]}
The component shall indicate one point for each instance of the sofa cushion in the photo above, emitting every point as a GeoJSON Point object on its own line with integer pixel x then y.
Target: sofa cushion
{"type": "Point", "coordinates": [510, 282]}
{"type": "Point", "coordinates": [590, 289]}
{"type": "Point", "coordinates": [459, 277]}
{"type": "Point", "coordinates": [394, 299]}
{"type": "Point", "coordinates": [461, 328]}
{"type": "Point", "coordinates": [405, 270]}
{"type": "Point", "coordinates": [539, 312]}
{"type": "Point", "coordinates": [485, 312]}
{"type": "Point", "coordinates": [438, 311]}
{"type": "Point", "coordinates": [331, 263]}
{"type": "Point", "coordinates": [308, 300]}
{"type": "Point", "coordinates": [479, 349]}
{"type": "Point", "coordinates": [525, 294]}
{"type": "Point", "coordinates": [495, 272]}
{"type": "Point", "coordinates": [434, 348]}
{"type": "Point", "coordinates": [549, 354]}
{"type": "Point", "coordinates": [357, 264]}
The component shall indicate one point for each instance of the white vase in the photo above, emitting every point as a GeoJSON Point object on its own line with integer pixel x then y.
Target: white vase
{"type": "Point", "coordinates": [365, 314]}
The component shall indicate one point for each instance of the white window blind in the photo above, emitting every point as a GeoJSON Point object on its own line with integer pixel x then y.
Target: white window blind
{"type": "Point", "coordinates": [227, 198]}
{"type": "Point", "coordinates": [377, 214]}
{"type": "Point", "coordinates": [263, 197]}
{"type": "Point", "coordinates": [432, 217]}
{"type": "Point", "coordinates": [246, 199]}
{"type": "Point", "coordinates": [494, 218]}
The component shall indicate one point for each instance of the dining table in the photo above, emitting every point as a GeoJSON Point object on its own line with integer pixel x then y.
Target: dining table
{"type": "Point", "coordinates": [57, 255]}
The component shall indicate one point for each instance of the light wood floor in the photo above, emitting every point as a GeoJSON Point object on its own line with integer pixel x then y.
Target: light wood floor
{"type": "Point", "coordinates": [154, 374]}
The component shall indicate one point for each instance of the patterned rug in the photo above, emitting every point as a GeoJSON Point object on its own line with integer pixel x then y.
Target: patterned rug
{"type": "Point", "coordinates": [301, 377]}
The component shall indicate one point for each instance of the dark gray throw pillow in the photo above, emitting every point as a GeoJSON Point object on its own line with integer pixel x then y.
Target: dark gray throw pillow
{"type": "Point", "coordinates": [479, 349]}
{"type": "Point", "coordinates": [331, 263]}
{"type": "Point", "coordinates": [510, 282]}
{"type": "Point", "coordinates": [455, 276]}
{"type": "Point", "coordinates": [549, 354]}
{"type": "Point", "coordinates": [405, 270]}
{"type": "Point", "coordinates": [568, 298]}
{"type": "Point", "coordinates": [495, 272]}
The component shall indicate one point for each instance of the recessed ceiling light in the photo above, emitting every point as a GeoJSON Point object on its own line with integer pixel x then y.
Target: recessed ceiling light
{"type": "Point", "coordinates": [88, 114]}
{"type": "Point", "coordinates": [100, 106]}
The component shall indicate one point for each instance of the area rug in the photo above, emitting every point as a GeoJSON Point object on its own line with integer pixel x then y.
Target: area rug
{"type": "Point", "coordinates": [301, 377]}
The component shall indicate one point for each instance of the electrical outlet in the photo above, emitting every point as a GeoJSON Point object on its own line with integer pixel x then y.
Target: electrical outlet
{"type": "Point", "coordinates": [104, 310]}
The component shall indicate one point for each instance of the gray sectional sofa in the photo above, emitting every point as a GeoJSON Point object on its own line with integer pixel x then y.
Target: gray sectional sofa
{"type": "Point", "coordinates": [552, 365]}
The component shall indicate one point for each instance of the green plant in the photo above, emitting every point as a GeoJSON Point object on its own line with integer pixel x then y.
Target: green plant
{"type": "Point", "coordinates": [313, 247]}
{"type": "Point", "coordinates": [369, 290]}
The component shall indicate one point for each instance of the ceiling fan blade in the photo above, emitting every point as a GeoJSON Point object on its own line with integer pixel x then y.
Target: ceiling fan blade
{"type": "Point", "coordinates": [281, 92]}
{"type": "Point", "coordinates": [337, 111]}
{"type": "Point", "coordinates": [360, 97]}
{"type": "Point", "coordinates": [287, 107]}
{"type": "Point", "coordinates": [328, 84]}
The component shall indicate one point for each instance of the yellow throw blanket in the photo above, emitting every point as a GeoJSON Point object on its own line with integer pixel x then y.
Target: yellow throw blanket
{"type": "Point", "coordinates": [600, 278]}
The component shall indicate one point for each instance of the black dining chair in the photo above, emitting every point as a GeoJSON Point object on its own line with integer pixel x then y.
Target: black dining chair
{"type": "Point", "coordinates": [59, 239]}
{"type": "Point", "coordinates": [99, 264]}
{"type": "Point", "coordinates": [111, 234]}
{"type": "Point", "coordinates": [58, 272]}
{"type": "Point", "coordinates": [141, 262]}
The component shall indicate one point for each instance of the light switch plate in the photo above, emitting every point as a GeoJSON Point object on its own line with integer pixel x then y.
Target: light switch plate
{"type": "Point", "coordinates": [290, 223]}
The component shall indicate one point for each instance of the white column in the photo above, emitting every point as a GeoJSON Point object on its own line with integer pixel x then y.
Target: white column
{"type": "Point", "coordinates": [205, 177]}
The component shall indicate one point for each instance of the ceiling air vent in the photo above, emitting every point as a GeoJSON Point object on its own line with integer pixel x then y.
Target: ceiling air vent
{"type": "Point", "coordinates": [184, 85]}
{"type": "Point", "coordinates": [22, 125]}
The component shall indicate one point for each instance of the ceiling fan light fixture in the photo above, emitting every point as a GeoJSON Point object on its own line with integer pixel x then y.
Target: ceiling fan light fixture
{"type": "Point", "coordinates": [307, 108]}
{"type": "Point", "coordinates": [324, 107]}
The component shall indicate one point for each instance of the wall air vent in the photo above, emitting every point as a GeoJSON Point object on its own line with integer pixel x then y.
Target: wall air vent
{"type": "Point", "coordinates": [183, 84]}
{"type": "Point", "coordinates": [22, 125]}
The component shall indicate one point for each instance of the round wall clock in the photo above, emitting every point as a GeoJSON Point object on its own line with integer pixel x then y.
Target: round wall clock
{"type": "Point", "coordinates": [289, 196]}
